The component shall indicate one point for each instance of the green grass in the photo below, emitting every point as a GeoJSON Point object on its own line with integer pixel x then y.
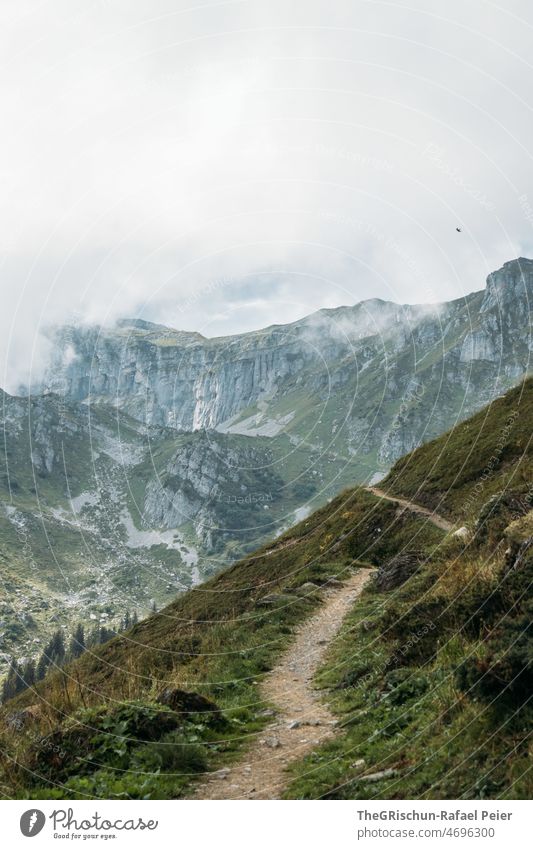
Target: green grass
{"type": "Point", "coordinates": [415, 675]}
{"type": "Point", "coordinates": [412, 717]}
{"type": "Point", "coordinates": [218, 639]}
{"type": "Point", "coordinates": [458, 472]}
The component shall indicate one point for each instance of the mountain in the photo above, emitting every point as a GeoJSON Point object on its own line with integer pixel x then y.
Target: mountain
{"type": "Point", "coordinates": [151, 458]}
{"type": "Point", "coordinates": [353, 388]}
{"type": "Point", "coordinates": [430, 676]}
{"type": "Point", "coordinates": [81, 532]}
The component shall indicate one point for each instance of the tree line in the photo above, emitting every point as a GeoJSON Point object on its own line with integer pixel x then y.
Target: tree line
{"type": "Point", "coordinates": [57, 653]}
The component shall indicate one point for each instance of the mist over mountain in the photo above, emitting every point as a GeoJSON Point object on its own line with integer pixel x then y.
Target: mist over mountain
{"type": "Point", "coordinates": [243, 383]}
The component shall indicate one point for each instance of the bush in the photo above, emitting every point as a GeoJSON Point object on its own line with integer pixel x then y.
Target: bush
{"type": "Point", "coordinates": [504, 671]}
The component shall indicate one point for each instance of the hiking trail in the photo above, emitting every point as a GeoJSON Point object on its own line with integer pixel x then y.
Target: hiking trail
{"type": "Point", "coordinates": [301, 721]}
{"type": "Point", "coordinates": [437, 520]}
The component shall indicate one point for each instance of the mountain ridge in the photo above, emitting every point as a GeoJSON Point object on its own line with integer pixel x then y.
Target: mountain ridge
{"type": "Point", "coordinates": [177, 464]}
{"type": "Point", "coordinates": [211, 380]}
{"type": "Point", "coordinates": [429, 677]}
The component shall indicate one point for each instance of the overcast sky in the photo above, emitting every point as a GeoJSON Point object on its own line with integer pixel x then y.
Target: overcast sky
{"type": "Point", "coordinates": [223, 166]}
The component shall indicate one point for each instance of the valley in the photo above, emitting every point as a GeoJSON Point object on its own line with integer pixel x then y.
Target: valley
{"type": "Point", "coordinates": [427, 671]}
{"type": "Point", "coordinates": [148, 460]}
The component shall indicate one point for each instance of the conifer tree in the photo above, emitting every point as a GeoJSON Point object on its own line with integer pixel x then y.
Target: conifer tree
{"type": "Point", "coordinates": [42, 666]}
{"type": "Point", "coordinates": [28, 674]}
{"type": "Point", "coordinates": [77, 642]}
{"type": "Point", "coordinates": [57, 647]}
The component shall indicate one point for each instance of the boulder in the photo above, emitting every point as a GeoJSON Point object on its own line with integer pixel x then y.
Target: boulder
{"type": "Point", "coordinates": [275, 598]}
{"type": "Point", "coordinates": [190, 703]}
{"type": "Point", "coordinates": [21, 718]}
{"type": "Point", "coordinates": [379, 776]}
{"type": "Point", "coordinates": [397, 571]}
{"type": "Point", "coordinates": [305, 589]}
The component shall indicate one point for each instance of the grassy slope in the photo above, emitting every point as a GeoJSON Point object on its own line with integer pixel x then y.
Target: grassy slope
{"type": "Point", "coordinates": [393, 675]}
{"type": "Point", "coordinates": [432, 680]}
{"type": "Point", "coordinates": [220, 633]}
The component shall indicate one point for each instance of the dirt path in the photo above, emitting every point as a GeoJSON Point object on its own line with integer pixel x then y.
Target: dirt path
{"type": "Point", "coordinates": [437, 520]}
{"type": "Point", "coordinates": [301, 720]}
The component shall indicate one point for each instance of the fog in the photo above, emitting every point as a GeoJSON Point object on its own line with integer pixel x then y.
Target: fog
{"type": "Point", "coordinates": [222, 166]}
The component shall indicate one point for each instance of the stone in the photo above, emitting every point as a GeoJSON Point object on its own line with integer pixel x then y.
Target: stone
{"type": "Point", "coordinates": [187, 703]}
{"type": "Point", "coordinates": [306, 589]}
{"type": "Point", "coordinates": [397, 571]}
{"type": "Point", "coordinates": [221, 774]}
{"type": "Point", "coordinates": [378, 776]}
{"type": "Point", "coordinates": [266, 712]}
{"type": "Point", "coordinates": [271, 742]}
{"type": "Point", "coordinates": [276, 598]}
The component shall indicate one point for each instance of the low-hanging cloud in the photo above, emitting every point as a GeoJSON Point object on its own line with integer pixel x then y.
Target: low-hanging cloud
{"type": "Point", "coordinates": [219, 167]}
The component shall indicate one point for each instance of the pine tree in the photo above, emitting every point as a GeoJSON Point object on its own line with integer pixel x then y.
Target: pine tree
{"type": "Point", "coordinates": [42, 666]}
{"type": "Point", "coordinates": [106, 634]}
{"type": "Point", "coordinates": [57, 647]}
{"type": "Point", "coordinates": [7, 688]}
{"type": "Point", "coordinates": [94, 637]}
{"type": "Point", "coordinates": [8, 685]}
{"type": "Point", "coordinates": [134, 618]}
{"type": "Point", "coordinates": [77, 642]}
{"type": "Point", "coordinates": [13, 682]}
{"type": "Point", "coordinates": [29, 674]}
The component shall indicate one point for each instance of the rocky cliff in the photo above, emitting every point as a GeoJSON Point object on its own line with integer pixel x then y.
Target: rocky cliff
{"type": "Point", "coordinates": [378, 353]}
{"type": "Point", "coordinates": [152, 458]}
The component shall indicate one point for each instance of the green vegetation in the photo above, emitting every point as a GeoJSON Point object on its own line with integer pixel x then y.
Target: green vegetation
{"type": "Point", "coordinates": [432, 681]}
{"type": "Point", "coordinates": [430, 678]}
{"type": "Point", "coordinates": [216, 640]}
{"type": "Point", "coordinates": [458, 473]}
{"type": "Point", "coordinates": [431, 685]}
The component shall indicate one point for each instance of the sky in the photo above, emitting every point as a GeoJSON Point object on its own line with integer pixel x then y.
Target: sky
{"type": "Point", "coordinates": [222, 166]}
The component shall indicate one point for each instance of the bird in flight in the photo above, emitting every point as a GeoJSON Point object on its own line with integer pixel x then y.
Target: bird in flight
{"type": "Point", "coordinates": [458, 229]}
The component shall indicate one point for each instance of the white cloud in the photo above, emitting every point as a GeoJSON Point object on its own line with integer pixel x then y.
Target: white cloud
{"type": "Point", "coordinates": [302, 155]}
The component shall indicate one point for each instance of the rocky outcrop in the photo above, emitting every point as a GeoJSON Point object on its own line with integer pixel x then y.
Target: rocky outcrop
{"type": "Point", "coordinates": [188, 703]}
{"type": "Point", "coordinates": [225, 489]}
{"type": "Point", "coordinates": [397, 571]}
{"type": "Point", "coordinates": [410, 370]}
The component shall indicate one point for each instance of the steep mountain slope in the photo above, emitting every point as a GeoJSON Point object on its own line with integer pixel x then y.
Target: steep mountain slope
{"type": "Point", "coordinates": [433, 674]}
{"type": "Point", "coordinates": [90, 505]}
{"type": "Point", "coordinates": [430, 676]}
{"type": "Point", "coordinates": [458, 472]}
{"type": "Point", "coordinates": [155, 458]}
{"type": "Point", "coordinates": [364, 383]}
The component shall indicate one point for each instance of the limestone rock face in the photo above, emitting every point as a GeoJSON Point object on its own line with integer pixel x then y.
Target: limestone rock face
{"type": "Point", "coordinates": [510, 289]}
{"type": "Point", "coordinates": [150, 458]}
{"type": "Point", "coordinates": [218, 486]}
{"type": "Point", "coordinates": [374, 352]}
